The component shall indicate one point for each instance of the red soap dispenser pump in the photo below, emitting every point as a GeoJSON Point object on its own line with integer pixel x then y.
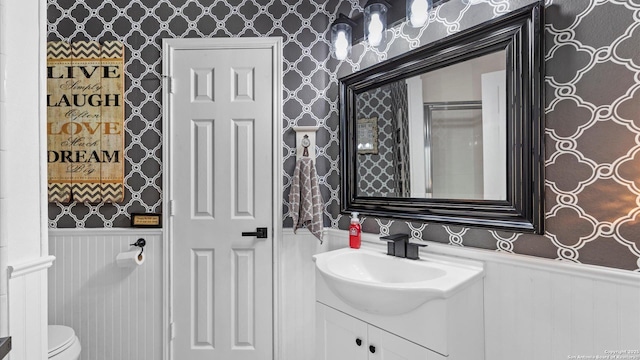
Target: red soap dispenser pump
{"type": "Point", "coordinates": [354, 231]}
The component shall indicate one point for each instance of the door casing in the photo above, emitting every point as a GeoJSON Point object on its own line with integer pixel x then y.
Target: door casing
{"type": "Point", "coordinates": [168, 46]}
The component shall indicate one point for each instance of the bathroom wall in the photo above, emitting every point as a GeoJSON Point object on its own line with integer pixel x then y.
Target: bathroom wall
{"type": "Point", "coordinates": [591, 66]}
{"type": "Point", "coordinates": [592, 182]}
{"type": "Point", "coordinates": [591, 189]}
{"type": "Point", "coordinates": [23, 236]}
{"type": "Point", "coordinates": [309, 96]}
{"type": "Point", "coordinates": [591, 198]}
{"type": "Point", "coordinates": [296, 284]}
{"type": "Point", "coordinates": [4, 241]}
{"type": "Point", "coordinates": [116, 312]}
{"type": "Point", "coordinates": [536, 308]}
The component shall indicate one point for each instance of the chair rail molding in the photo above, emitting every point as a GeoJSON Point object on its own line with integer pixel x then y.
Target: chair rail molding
{"type": "Point", "coordinates": [103, 231]}
{"type": "Point", "coordinates": [30, 266]}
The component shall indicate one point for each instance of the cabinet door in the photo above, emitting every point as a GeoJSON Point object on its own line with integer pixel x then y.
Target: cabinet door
{"type": "Point", "coordinates": [386, 346]}
{"type": "Point", "coordinates": [338, 335]}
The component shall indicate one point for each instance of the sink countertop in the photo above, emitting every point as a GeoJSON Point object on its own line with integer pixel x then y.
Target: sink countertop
{"type": "Point", "coordinates": [5, 346]}
{"type": "Point", "coordinates": [368, 279]}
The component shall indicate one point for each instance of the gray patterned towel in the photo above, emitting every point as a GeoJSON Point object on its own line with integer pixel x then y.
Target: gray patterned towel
{"type": "Point", "coordinates": [305, 199]}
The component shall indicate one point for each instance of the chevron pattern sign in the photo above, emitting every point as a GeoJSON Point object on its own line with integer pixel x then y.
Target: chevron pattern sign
{"type": "Point", "coordinates": [85, 121]}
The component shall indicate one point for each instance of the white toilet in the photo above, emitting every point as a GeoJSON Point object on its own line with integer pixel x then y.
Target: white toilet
{"type": "Point", "coordinates": [63, 343]}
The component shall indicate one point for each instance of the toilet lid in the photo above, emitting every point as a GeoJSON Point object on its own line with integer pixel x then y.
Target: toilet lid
{"type": "Point", "coordinates": [60, 338]}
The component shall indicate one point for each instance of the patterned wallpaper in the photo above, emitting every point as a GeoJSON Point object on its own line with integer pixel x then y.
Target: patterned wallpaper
{"type": "Point", "coordinates": [309, 96]}
{"type": "Point", "coordinates": [376, 171]}
{"type": "Point", "coordinates": [385, 173]}
{"type": "Point", "coordinates": [400, 108]}
{"type": "Point", "coordinates": [592, 109]}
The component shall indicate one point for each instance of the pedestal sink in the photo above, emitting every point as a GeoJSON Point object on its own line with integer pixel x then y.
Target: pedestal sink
{"type": "Point", "coordinates": [371, 281]}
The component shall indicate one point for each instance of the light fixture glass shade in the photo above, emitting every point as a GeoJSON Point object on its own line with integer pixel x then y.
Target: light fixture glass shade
{"type": "Point", "coordinates": [375, 23]}
{"type": "Point", "coordinates": [418, 12]}
{"type": "Point", "coordinates": [341, 38]}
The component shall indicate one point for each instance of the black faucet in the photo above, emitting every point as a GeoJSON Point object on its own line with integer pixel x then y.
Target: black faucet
{"type": "Point", "coordinates": [398, 245]}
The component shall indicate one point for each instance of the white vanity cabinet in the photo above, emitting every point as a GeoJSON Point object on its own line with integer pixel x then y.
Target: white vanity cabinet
{"type": "Point", "coordinates": [426, 309]}
{"type": "Point", "coordinates": [344, 337]}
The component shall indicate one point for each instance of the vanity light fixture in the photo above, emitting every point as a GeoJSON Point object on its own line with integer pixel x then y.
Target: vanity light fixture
{"type": "Point", "coordinates": [418, 12]}
{"type": "Point", "coordinates": [375, 21]}
{"type": "Point", "coordinates": [372, 24]}
{"type": "Point", "coordinates": [341, 37]}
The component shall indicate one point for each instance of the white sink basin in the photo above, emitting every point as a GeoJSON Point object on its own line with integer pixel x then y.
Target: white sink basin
{"type": "Point", "coordinates": [370, 280]}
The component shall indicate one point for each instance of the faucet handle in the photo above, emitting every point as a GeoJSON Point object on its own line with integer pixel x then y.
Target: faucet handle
{"type": "Point", "coordinates": [396, 244]}
{"type": "Point", "coordinates": [413, 249]}
{"type": "Point", "coordinates": [395, 237]}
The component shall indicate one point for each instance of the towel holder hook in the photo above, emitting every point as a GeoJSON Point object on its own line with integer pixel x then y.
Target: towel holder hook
{"type": "Point", "coordinates": [305, 141]}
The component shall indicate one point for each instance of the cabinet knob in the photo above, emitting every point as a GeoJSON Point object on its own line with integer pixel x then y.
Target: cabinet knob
{"type": "Point", "coordinates": [358, 342]}
{"type": "Point", "coordinates": [372, 349]}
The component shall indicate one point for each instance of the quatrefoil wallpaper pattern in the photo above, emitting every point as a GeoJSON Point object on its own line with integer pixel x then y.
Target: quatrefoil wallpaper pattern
{"type": "Point", "coordinates": [310, 91]}
{"type": "Point", "coordinates": [592, 108]}
{"type": "Point", "coordinates": [376, 171]}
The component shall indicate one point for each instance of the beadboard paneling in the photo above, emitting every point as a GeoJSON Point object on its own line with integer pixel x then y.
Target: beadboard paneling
{"type": "Point", "coordinates": [535, 314]}
{"type": "Point", "coordinates": [26, 316]}
{"type": "Point", "coordinates": [298, 293]}
{"type": "Point", "coordinates": [116, 312]}
{"type": "Point", "coordinates": [27, 309]}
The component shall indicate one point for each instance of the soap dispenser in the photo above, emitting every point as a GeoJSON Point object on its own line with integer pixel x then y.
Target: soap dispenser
{"type": "Point", "coordinates": [355, 231]}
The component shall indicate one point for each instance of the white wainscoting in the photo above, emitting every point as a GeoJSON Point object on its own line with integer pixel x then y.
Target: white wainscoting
{"type": "Point", "coordinates": [543, 309]}
{"type": "Point", "coordinates": [28, 308]}
{"type": "Point", "coordinates": [534, 308]}
{"type": "Point", "coordinates": [298, 293]}
{"type": "Point", "coordinates": [116, 312]}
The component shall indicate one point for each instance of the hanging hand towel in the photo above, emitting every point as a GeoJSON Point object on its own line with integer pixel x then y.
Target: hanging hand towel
{"type": "Point", "coordinates": [305, 199]}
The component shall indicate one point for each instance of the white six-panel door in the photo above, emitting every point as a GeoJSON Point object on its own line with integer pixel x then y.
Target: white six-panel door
{"type": "Point", "coordinates": [221, 118]}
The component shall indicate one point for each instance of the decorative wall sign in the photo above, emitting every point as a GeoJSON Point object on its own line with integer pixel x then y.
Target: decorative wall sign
{"type": "Point", "coordinates": [146, 220]}
{"type": "Point", "coordinates": [85, 120]}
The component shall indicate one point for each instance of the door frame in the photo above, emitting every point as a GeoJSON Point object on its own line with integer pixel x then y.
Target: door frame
{"type": "Point", "coordinates": [168, 47]}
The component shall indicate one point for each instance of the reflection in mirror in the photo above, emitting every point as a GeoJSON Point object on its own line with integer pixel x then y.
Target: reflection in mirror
{"type": "Point", "coordinates": [383, 172]}
{"type": "Point", "coordinates": [454, 141]}
{"type": "Point", "coordinates": [440, 134]}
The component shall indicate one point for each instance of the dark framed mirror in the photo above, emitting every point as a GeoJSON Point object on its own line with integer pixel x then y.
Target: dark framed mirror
{"type": "Point", "coordinates": [451, 132]}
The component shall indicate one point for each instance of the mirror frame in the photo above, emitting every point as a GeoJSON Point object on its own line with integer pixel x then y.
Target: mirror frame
{"type": "Point", "coordinates": [520, 33]}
